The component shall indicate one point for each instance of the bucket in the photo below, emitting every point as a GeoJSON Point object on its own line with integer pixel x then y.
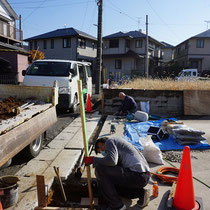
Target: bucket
{"type": "Point", "coordinates": [8, 191]}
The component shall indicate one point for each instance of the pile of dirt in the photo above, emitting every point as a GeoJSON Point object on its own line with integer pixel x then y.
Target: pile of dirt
{"type": "Point", "coordinates": [9, 107]}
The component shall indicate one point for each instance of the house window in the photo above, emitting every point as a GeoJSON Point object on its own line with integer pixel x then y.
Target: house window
{"type": "Point", "coordinates": [118, 64]}
{"type": "Point", "coordinates": [66, 42]}
{"type": "Point", "coordinates": [31, 46]}
{"type": "Point", "coordinates": [200, 43]}
{"type": "Point", "coordinates": [178, 51]}
{"type": "Point", "coordinates": [93, 45]}
{"type": "Point", "coordinates": [52, 43]}
{"type": "Point", "coordinates": [45, 44]}
{"type": "Point", "coordinates": [82, 43]}
{"type": "Point", "coordinates": [127, 43]}
{"type": "Point", "coordinates": [114, 43]}
{"type": "Point", "coordinates": [35, 45]}
{"type": "Point", "coordinates": [186, 45]}
{"type": "Point", "coordinates": [138, 43]}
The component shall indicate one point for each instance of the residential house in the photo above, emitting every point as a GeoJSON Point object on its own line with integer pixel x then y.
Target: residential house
{"type": "Point", "coordinates": [66, 43]}
{"type": "Point", "coordinates": [194, 52]}
{"type": "Point", "coordinates": [13, 58]}
{"type": "Point", "coordinates": [124, 54]}
{"type": "Point", "coordinates": [168, 52]}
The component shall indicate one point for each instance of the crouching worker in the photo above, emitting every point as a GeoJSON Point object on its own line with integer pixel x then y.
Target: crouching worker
{"type": "Point", "coordinates": [128, 105]}
{"type": "Point", "coordinates": [122, 171]}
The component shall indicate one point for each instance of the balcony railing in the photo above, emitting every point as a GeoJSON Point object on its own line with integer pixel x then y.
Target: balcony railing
{"type": "Point", "coordinates": [10, 32]}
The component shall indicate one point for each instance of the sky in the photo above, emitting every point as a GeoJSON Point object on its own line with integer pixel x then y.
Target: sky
{"type": "Point", "coordinates": [171, 21]}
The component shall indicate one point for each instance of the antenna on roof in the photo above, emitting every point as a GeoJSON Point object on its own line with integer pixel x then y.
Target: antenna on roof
{"type": "Point", "coordinates": [139, 22]}
{"type": "Point", "coordinates": [64, 26]}
{"type": "Point", "coordinates": [207, 22]}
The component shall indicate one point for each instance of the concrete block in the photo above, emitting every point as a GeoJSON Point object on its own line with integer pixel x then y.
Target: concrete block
{"type": "Point", "coordinates": [26, 184]}
{"type": "Point", "coordinates": [29, 170]}
{"type": "Point", "coordinates": [66, 161]}
{"type": "Point", "coordinates": [48, 154]}
{"type": "Point", "coordinates": [77, 141]}
{"type": "Point", "coordinates": [58, 144]}
{"type": "Point", "coordinates": [66, 135]}
{"type": "Point", "coordinates": [71, 129]}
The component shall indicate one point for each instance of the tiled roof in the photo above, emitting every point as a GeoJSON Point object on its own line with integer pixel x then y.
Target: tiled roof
{"type": "Point", "coordinates": [62, 33]}
{"type": "Point", "coordinates": [205, 34]}
{"type": "Point", "coordinates": [130, 34]}
{"type": "Point", "coordinates": [166, 45]}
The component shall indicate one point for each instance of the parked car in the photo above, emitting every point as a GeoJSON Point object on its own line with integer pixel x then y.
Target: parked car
{"type": "Point", "coordinates": [187, 74]}
{"type": "Point", "coordinates": [205, 73]}
{"type": "Point", "coordinates": [67, 73]}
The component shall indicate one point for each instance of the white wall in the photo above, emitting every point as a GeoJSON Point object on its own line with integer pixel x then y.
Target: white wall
{"type": "Point", "coordinates": [58, 52]}
{"type": "Point", "coordinates": [4, 12]}
{"type": "Point", "coordinates": [88, 51]}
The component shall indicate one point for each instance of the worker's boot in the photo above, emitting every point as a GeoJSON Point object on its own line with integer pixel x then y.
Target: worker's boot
{"type": "Point", "coordinates": [144, 200]}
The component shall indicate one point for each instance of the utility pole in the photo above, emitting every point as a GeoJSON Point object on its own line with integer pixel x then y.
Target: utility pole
{"type": "Point", "coordinates": [99, 48]}
{"type": "Point", "coordinates": [147, 42]}
{"type": "Point", "coordinates": [20, 31]}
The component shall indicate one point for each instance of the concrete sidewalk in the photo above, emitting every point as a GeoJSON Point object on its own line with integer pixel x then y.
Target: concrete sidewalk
{"type": "Point", "coordinates": [200, 160]}
{"type": "Point", "coordinates": [64, 152]}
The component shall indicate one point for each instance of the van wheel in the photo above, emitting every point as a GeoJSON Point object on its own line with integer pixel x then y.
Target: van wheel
{"type": "Point", "coordinates": [75, 103]}
{"type": "Point", "coordinates": [7, 164]}
{"type": "Point", "coordinates": [34, 148]}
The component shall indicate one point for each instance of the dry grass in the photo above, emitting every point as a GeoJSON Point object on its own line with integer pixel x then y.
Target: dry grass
{"type": "Point", "coordinates": [167, 84]}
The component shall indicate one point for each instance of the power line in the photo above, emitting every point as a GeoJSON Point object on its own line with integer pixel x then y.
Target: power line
{"type": "Point", "coordinates": [34, 11]}
{"type": "Point", "coordinates": [162, 20]}
{"type": "Point", "coordinates": [29, 2]}
{"type": "Point", "coordinates": [84, 17]}
{"type": "Point", "coordinates": [117, 9]}
{"type": "Point", "coordinates": [92, 17]}
{"type": "Point", "coordinates": [58, 5]}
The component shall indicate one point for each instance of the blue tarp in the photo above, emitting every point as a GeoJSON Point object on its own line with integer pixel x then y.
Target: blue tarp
{"type": "Point", "coordinates": [135, 130]}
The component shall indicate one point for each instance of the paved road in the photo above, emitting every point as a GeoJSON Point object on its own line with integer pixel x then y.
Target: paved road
{"type": "Point", "coordinates": [64, 119]}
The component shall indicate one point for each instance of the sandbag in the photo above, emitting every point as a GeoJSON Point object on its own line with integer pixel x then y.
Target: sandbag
{"type": "Point", "coordinates": [141, 116]}
{"type": "Point", "coordinates": [144, 106]}
{"type": "Point", "coordinates": [151, 152]}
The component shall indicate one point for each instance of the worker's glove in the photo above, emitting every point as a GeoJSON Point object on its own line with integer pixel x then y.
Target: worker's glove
{"type": "Point", "coordinates": [88, 160]}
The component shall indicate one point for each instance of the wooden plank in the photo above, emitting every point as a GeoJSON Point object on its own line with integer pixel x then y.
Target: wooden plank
{"type": "Point", "coordinates": [85, 202]}
{"type": "Point", "coordinates": [56, 208]}
{"type": "Point", "coordinates": [196, 102]}
{"type": "Point", "coordinates": [19, 137]}
{"type": "Point", "coordinates": [25, 92]}
{"type": "Point", "coordinates": [41, 191]}
{"type": "Point", "coordinates": [26, 114]}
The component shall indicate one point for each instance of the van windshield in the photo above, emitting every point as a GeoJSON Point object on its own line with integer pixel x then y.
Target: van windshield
{"type": "Point", "coordinates": [49, 69]}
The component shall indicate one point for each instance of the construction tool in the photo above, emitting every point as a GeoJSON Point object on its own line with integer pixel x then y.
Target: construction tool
{"type": "Point", "coordinates": [60, 183]}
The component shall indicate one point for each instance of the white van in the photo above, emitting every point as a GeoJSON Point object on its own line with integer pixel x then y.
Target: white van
{"type": "Point", "coordinates": [66, 72]}
{"type": "Point", "coordinates": [187, 74]}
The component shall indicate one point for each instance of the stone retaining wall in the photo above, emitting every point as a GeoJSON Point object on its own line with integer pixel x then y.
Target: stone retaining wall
{"type": "Point", "coordinates": [164, 103]}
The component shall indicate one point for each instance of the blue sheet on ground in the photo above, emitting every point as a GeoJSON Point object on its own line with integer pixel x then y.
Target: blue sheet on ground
{"type": "Point", "coordinates": [135, 130]}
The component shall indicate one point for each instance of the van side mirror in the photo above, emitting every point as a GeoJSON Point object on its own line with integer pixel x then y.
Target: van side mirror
{"type": "Point", "coordinates": [72, 71]}
{"type": "Point", "coordinates": [23, 72]}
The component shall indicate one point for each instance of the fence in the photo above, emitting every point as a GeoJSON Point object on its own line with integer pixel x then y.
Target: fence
{"type": "Point", "coordinates": [10, 31]}
{"type": "Point", "coordinates": [8, 79]}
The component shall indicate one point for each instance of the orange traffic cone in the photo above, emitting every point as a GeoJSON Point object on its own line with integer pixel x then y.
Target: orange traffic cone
{"type": "Point", "coordinates": [184, 195]}
{"type": "Point", "coordinates": [89, 107]}
{"type": "Point", "coordinates": [1, 208]}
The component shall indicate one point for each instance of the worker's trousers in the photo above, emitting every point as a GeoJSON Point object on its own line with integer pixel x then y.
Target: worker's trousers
{"type": "Point", "coordinates": [115, 180]}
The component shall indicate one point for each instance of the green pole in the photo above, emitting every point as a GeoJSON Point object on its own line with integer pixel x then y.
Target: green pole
{"type": "Point", "coordinates": [85, 141]}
